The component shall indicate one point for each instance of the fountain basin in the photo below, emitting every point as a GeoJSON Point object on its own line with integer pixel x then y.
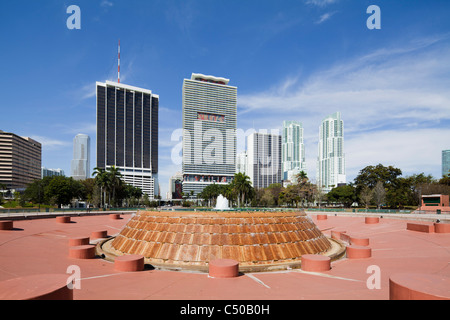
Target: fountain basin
{"type": "Point", "coordinates": [190, 240]}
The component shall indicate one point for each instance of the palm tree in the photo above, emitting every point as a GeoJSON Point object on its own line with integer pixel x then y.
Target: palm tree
{"type": "Point", "coordinates": [242, 187]}
{"type": "Point", "coordinates": [303, 186]}
{"type": "Point", "coordinates": [114, 181]}
{"type": "Point", "coordinates": [101, 179]}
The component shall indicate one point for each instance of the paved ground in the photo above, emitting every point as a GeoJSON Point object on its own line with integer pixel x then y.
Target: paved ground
{"type": "Point", "coordinates": [41, 247]}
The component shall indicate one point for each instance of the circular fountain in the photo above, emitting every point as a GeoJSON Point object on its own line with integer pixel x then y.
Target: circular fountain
{"type": "Point", "coordinates": [258, 241]}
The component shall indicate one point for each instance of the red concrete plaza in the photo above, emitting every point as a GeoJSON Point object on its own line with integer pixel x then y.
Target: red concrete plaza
{"type": "Point", "coordinates": [41, 247]}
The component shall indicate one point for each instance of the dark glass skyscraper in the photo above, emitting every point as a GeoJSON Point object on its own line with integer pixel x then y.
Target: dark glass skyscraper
{"type": "Point", "coordinates": [127, 133]}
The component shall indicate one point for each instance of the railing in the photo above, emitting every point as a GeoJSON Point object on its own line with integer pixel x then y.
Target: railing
{"type": "Point", "coordinates": [439, 211]}
{"type": "Point", "coordinates": [57, 211]}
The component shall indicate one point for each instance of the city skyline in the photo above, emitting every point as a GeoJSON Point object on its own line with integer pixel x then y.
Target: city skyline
{"type": "Point", "coordinates": [292, 61]}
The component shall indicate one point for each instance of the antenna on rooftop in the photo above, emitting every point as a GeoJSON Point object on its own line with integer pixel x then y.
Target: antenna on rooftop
{"type": "Point", "coordinates": [118, 66]}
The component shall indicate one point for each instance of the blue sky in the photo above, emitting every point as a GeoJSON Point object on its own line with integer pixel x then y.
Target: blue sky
{"type": "Point", "coordinates": [291, 60]}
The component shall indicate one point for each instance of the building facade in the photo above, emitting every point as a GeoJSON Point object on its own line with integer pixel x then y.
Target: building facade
{"type": "Point", "coordinates": [80, 166]}
{"type": "Point", "coordinates": [46, 172]}
{"type": "Point", "coordinates": [331, 156]}
{"type": "Point", "coordinates": [445, 162]}
{"type": "Point", "coordinates": [20, 160]}
{"type": "Point", "coordinates": [242, 163]}
{"type": "Point", "coordinates": [293, 150]}
{"type": "Point", "coordinates": [209, 132]}
{"type": "Point", "coordinates": [264, 159]}
{"type": "Point", "coordinates": [127, 133]}
{"type": "Point", "coordinates": [175, 187]}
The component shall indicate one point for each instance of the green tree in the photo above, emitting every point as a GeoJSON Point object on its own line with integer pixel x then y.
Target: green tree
{"type": "Point", "coordinates": [101, 180]}
{"type": "Point", "coordinates": [370, 175]}
{"type": "Point", "coordinates": [379, 194]}
{"type": "Point", "coordinates": [366, 196]}
{"type": "Point", "coordinates": [90, 192]}
{"type": "Point", "coordinates": [289, 196]}
{"type": "Point", "coordinates": [242, 187]}
{"type": "Point", "coordinates": [36, 191]}
{"type": "Point", "coordinates": [270, 196]}
{"type": "Point", "coordinates": [62, 190]}
{"type": "Point", "coordinates": [389, 177]}
{"type": "Point", "coordinates": [210, 194]}
{"type": "Point", "coordinates": [2, 188]}
{"type": "Point", "coordinates": [445, 180]}
{"type": "Point", "coordinates": [344, 195]}
{"type": "Point", "coordinates": [114, 183]}
{"type": "Point", "coordinates": [305, 189]}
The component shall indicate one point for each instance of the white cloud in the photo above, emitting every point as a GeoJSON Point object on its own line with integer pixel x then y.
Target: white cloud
{"type": "Point", "coordinates": [106, 3]}
{"type": "Point", "coordinates": [325, 17]}
{"type": "Point", "coordinates": [50, 143]}
{"type": "Point", "coordinates": [385, 98]}
{"type": "Point", "coordinates": [414, 151]}
{"type": "Point", "coordinates": [321, 3]}
{"type": "Point", "coordinates": [88, 91]}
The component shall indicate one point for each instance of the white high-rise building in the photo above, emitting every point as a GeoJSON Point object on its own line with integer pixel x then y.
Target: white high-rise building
{"type": "Point", "coordinates": [209, 132]}
{"type": "Point", "coordinates": [242, 163]}
{"type": "Point", "coordinates": [46, 172]}
{"type": "Point", "coordinates": [264, 159]}
{"type": "Point", "coordinates": [331, 156]}
{"type": "Point", "coordinates": [293, 150]}
{"type": "Point", "coordinates": [80, 166]}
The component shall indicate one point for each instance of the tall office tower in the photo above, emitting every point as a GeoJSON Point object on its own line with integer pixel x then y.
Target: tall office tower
{"type": "Point", "coordinates": [445, 162]}
{"type": "Point", "coordinates": [331, 157]}
{"type": "Point", "coordinates": [127, 133]}
{"type": "Point", "coordinates": [175, 187]}
{"type": "Point", "coordinates": [293, 150]}
{"type": "Point", "coordinates": [20, 160]}
{"type": "Point", "coordinates": [209, 132]}
{"type": "Point", "coordinates": [264, 159]}
{"type": "Point", "coordinates": [80, 166]}
{"type": "Point", "coordinates": [242, 163]}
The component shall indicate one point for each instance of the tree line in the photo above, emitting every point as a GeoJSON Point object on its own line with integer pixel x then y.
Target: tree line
{"type": "Point", "coordinates": [375, 186]}
{"type": "Point", "coordinates": [105, 189]}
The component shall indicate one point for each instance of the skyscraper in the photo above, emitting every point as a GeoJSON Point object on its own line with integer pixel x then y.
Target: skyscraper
{"type": "Point", "coordinates": [293, 150]}
{"type": "Point", "coordinates": [242, 163]}
{"type": "Point", "coordinates": [331, 157]}
{"type": "Point", "coordinates": [175, 187]}
{"type": "Point", "coordinates": [209, 132]}
{"type": "Point", "coordinates": [46, 172]}
{"type": "Point", "coordinates": [264, 159]}
{"type": "Point", "coordinates": [80, 166]}
{"type": "Point", "coordinates": [20, 160]}
{"type": "Point", "coordinates": [445, 162]}
{"type": "Point", "coordinates": [127, 133]}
